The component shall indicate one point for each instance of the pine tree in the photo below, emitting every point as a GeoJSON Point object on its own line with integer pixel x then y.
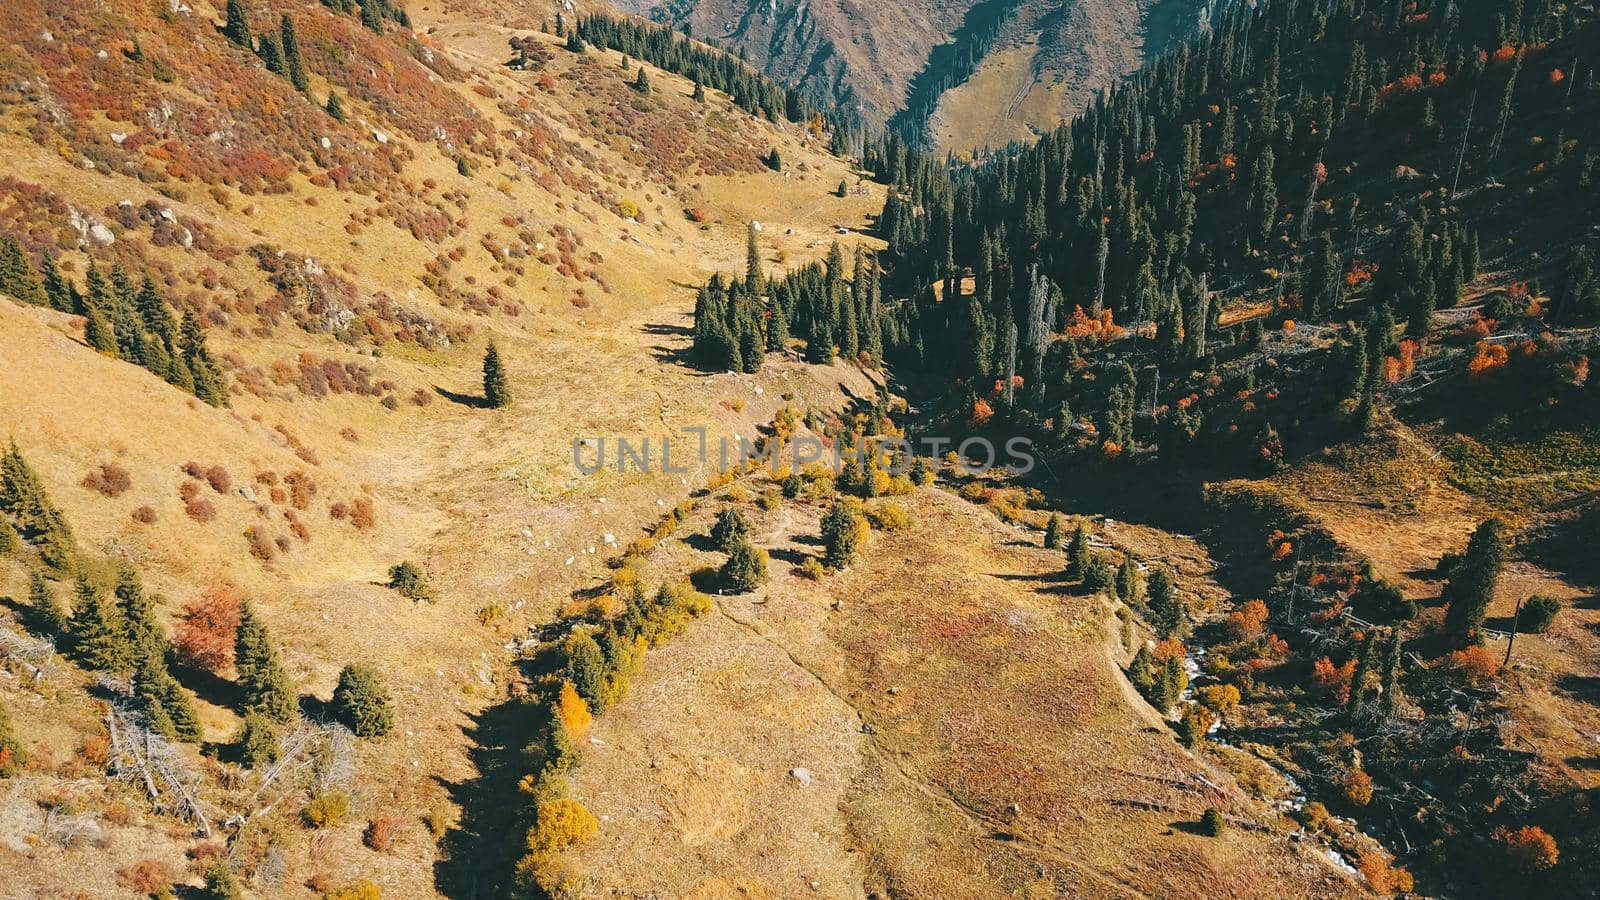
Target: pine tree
{"type": "Point", "coordinates": [1470, 589]}
{"type": "Point", "coordinates": [752, 260]}
{"type": "Point", "coordinates": [1079, 556]}
{"type": "Point", "coordinates": [100, 635]}
{"type": "Point", "coordinates": [237, 28]}
{"type": "Point", "coordinates": [291, 54]}
{"type": "Point", "coordinates": [1165, 607]}
{"type": "Point", "coordinates": [730, 530]}
{"type": "Point", "coordinates": [1128, 590]}
{"type": "Point", "coordinates": [362, 703]}
{"type": "Point", "coordinates": [208, 384]}
{"type": "Point", "coordinates": [97, 330]}
{"type": "Point", "coordinates": [264, 686]}
{"type": "Point", "coordinates": [699, 92]}
{"type": "Point", "coordinates": [745, 569]}
{"type": "Point", "coordinates": [23, 496]}
{"type": "Point", "coordinates": [841, 536]}
{"type": "Point", "coordinates": [586, 669]}
{"type": "Point", "coordinates": [257, 745]}
{"type": "Point", "coordinates": [372, 15]}
{"type": "Point", "coordinates": [496, 389]}
{"type": "Point", "coordinates": [49, 617]}
{"type": "Point", "coordinates": [334, 107]}
{"type": "Point", "coordinates": [1052, 532]}
{"type": "Point", "coordinates": [17, 276]}
{"type": "Point", "coordinates": [10, 541]}
{"type": "Point", "coordinates": [642, 82]}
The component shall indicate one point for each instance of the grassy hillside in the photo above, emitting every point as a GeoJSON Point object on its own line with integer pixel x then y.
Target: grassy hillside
{"type": "Point", "coordinates": [349, 274]}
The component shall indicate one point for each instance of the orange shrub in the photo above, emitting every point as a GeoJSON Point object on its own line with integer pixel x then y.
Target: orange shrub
{"type": "Point", "coordinates": [1473, 663]}
{"type": "Point", "coordinates": [205, 635]}
{"type": "Point", "coordinates": [382, 833]}
{"type": "Point", "coordinates": [147, 876]}
{"type": "Point", "coordinates": [1488, 359]}
{"type": "Point", "coordinates": [1244, 623]}
{"type": "Point", "coordinates": [982, 412]}
{"type": "Point", "coordinates": [1529, 848]}
{"type": "Point", "coordinates": [1358, 787]}
{"type": "Point", "coordinates": [1332, 679]}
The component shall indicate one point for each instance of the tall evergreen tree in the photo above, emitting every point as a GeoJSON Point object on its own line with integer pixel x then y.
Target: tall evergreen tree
{"type": "Point", "coordinates": [237, 27]}
{"type": "Point", "coordinates": [100, 634]}
{"type": "Point", "coordinates": [203, 370]}
{"type": "Point", "coordinates": [1165, 607]}
{"type": "Point", "coordinates": [48, 615]}
{"type": "Point", "coordinates": [264, 686]}
{"type": "Point", "coordinates": [1473, 577]}
{"type": "Point", "coordinates": [291, 55]}
{"type": "Point", "coordinates": [496, 388]}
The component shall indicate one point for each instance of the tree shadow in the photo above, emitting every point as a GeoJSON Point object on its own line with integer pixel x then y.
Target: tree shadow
{"type": "Point", "coordinates": [1584, 687]}
{"type": "Point", "coordinates": [1188, 827]}
{"type": "Point", "coordinates": [479, 851]}
{"type": "Point", "coordinates": [470, 400]}
{"type": "Point", "coordinates": [701, 542]}
{"type": "Point", "coordinates": [208, 686]}
{"type": "Point", "coordinates": [668, 329]}
{"type": "Point", "coordinates": [792, 557]}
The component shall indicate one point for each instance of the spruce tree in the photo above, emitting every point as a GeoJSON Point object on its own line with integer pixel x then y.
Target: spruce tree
{"type": "Point", "coordinates": [752, 259]}
{"type": "Point", "coordinates": [23, 496]}
{"type": "Point", "coordinates": [257, 746]}
{"type": "Point", "coordinates": [699, 92]}
{"type": "Point", "coordinates": [745, 569]}
{"type": "Point", "coordinates": [372, 15]}
{"type": "Point", "coordinates": [496, 389]}
{"type": "Point", "coordinates": [1052, 532]}
{"type": "Point", "coordinates": [264, 686]}
{"type": "Point", "coordinates": [334, 107]}
{"type": "Point", "coordinates": [208, 384]}
{"type": "Point", "coordinates": [362, 703]}
{"type": "Point", "coordinates": [1079, 556]}
{"type": "Point", "coordinates": [291, 54]}
{"type": "Point", "coordinates": [1128, 590]}
{"type": "Point", "coordinates": [1165, 607]}
{"type": "Point", "coordinates": [730, 530]}
{"type": "Point", "coordinates": [97, 330]}
{"type": "Point", "coordinates": [1472, 582]}
{"type": "Point", "coordinates": [49, 617]}
{"type": "Point", "coordinates": [10, 542]}
{"type": "Point", "coordinates": [99, 632]}
{"type": "Point", "coordinates": [841, 536]}
{"type": "Point", "coordinates": [237, 27]}
{"type": "Point", "coordinates": [586, 669]}
{"type": "Point", "coordinates": [17, 276]}
{"type": "Point", "coordinates": [642, 82]}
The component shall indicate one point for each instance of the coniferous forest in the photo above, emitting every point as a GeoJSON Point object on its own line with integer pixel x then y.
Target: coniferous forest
{"type": "Point", "coordinates": [1263, 230]}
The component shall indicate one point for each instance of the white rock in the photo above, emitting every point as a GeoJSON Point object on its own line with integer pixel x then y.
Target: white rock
{"type": "Point", "coordinates": [610, 539]}
{"type": "Point", "coordinates": [380, 137]}
{"type": "Point", "coordinates": [801, 775]}
{"type": "Point", "coordinates": [570, 560]}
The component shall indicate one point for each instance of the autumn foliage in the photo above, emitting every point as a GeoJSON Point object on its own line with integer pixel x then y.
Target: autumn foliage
{"type": "Point", "coordinates": [205, 635]}
{"type": "Point", "coordinates": [1529, 848]}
